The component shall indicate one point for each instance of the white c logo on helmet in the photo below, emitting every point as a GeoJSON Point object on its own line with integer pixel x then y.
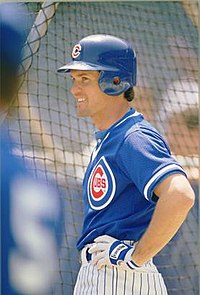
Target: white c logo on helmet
{"type": "Point", "coordinates": [76, 51]}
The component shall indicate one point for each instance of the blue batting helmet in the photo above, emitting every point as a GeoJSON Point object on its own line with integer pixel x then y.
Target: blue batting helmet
{"type": "Point", "coordinates": [112, 56]}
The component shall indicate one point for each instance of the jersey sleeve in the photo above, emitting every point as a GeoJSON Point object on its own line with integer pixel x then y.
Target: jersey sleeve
{"type": "Point", "coordinates": [146, 159]}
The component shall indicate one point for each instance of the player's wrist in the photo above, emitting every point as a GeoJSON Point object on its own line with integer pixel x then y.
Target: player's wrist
{"type": "Point", "coordinates": [120, 253]}
{"type": "Point", "coordinates": [134, 259]}
{"type": "Point", "coordinates": [132, 265]}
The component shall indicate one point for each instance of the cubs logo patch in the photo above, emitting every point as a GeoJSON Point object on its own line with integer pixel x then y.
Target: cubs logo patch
{"type": "Point", "coordinates": [101, 185]}
{"type": "Point", "coordinates": [76, 51]}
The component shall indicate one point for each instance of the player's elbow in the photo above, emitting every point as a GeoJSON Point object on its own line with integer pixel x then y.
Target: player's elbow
{"type": "Point", "coordinates": [185, 197]}
{"type": "Point", "coordinates": [177, 190]}
{"type": "Point", "coordinates": [189, 199]}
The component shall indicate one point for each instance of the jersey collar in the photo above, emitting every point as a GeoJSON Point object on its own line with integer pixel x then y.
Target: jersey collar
{"type": "Point", "coordinates": [100, 135]}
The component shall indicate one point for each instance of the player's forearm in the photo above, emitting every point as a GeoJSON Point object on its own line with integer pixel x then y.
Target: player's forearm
{"type": "Point", "coordinates": [169, 214]}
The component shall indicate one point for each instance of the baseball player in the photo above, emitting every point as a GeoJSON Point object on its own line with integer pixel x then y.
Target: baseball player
{"type": "Point", "coordinates": [136, 195]}
{"type": "Point", "coordinates": [31, 219]}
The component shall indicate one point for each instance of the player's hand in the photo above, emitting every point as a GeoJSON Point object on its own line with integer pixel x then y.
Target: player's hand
{"type": "Point", "coordinates": [107, 250]}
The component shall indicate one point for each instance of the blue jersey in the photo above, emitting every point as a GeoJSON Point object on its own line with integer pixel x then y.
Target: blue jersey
{"type": "Point", "coordinates": [130, 160]}
{"type": "Point", "coordinates": [31, 223]}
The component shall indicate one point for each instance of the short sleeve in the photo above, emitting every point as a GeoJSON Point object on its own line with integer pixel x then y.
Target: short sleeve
{"type": "Point", "coordinates": [146, 159]}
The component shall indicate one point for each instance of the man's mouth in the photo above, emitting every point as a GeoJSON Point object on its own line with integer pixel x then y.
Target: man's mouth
{"type": "Point", "coordinates": [81, 100]}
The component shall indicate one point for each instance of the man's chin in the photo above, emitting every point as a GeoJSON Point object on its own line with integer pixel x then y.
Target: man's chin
{"type": "Point", "coordinates": [81, 114]}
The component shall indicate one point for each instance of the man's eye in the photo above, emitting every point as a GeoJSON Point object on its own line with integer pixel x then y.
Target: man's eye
{"type": "Point", "coordinates": [84, 79]}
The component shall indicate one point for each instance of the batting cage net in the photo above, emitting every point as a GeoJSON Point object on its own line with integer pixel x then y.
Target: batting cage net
{"type": "Point", "coordinates": [56, 144]}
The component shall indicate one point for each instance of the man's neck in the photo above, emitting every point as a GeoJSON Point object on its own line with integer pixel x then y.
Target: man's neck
{"type": "Point", "coordinates": [109, 118]}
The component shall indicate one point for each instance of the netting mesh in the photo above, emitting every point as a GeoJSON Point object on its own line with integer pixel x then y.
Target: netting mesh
{"type": "Point", "coordinates": [57, 144]}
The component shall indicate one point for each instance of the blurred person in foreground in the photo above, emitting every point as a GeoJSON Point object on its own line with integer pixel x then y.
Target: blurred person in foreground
{"type": "Point", "coordinates": [31, 219]}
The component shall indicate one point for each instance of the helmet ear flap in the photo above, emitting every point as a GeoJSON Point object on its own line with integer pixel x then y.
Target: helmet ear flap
{"type": "Point", "coordinates": [112, 83]}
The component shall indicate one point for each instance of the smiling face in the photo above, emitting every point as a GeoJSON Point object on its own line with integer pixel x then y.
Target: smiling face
{"type": "Point", "coordinates": [103, 109]}
{"type": "Point", "coordinates": [91, 100]}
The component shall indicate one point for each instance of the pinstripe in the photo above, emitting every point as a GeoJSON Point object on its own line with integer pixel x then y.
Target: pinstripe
{"type": "Point", "coordinates": [105, 280]}
{"type": "Point", "coordinates": [116, 281]}
{"type": "Point", "coordinates": [80, 281]}
{"type": "Point", "coordinates": [140, 284]}
{"type": "Point", "coordinates": [112, 280]}
{"type": "Point", "coordinates": [84, 279]}
{"type": "Point", "coordinates": [101, 283]}
{"type": "Point", "coordinates": [97, 281]}
{"type": "Point", "coordinates": [88, 281]}
{"type": "Point", "coordinates": [93, 279]}
{"type": "Point", "coordinates": [160, 283]}
{"type": "Point", "coordinates": [133, 280]}
{"type": "Point", "coordinates": [157, 284]}
{"type": "Point", "coordinates": [136, 286]}
{"type": "Point", "coordinates": [155, 289]}
{"type": "Point", "coordinates": [125, 282]}
{"type": "Point", "coordinates": [163, 286]}
{"type": "Point", "coordinates": [77, 282]}
{"type": "Point", "coordinates": [144, 283]}
{"type": "Point", "coordinates": [148, 285]}
{"type": "Point", "coordinates": [154, 282]}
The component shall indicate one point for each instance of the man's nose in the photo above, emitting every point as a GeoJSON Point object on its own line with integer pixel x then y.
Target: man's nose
{"type": "Point", "coordinates": [75, 89]}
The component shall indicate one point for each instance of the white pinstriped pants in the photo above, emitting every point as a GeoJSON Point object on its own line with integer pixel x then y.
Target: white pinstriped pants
{"type": "Point", "coordinates": [111, 280]}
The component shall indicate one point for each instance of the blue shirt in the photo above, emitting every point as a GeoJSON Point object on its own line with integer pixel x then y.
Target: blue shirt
{"type": "Point", "coordinates": [131, 158]}
{"type": "Point", "coordinates": [31, 228]}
